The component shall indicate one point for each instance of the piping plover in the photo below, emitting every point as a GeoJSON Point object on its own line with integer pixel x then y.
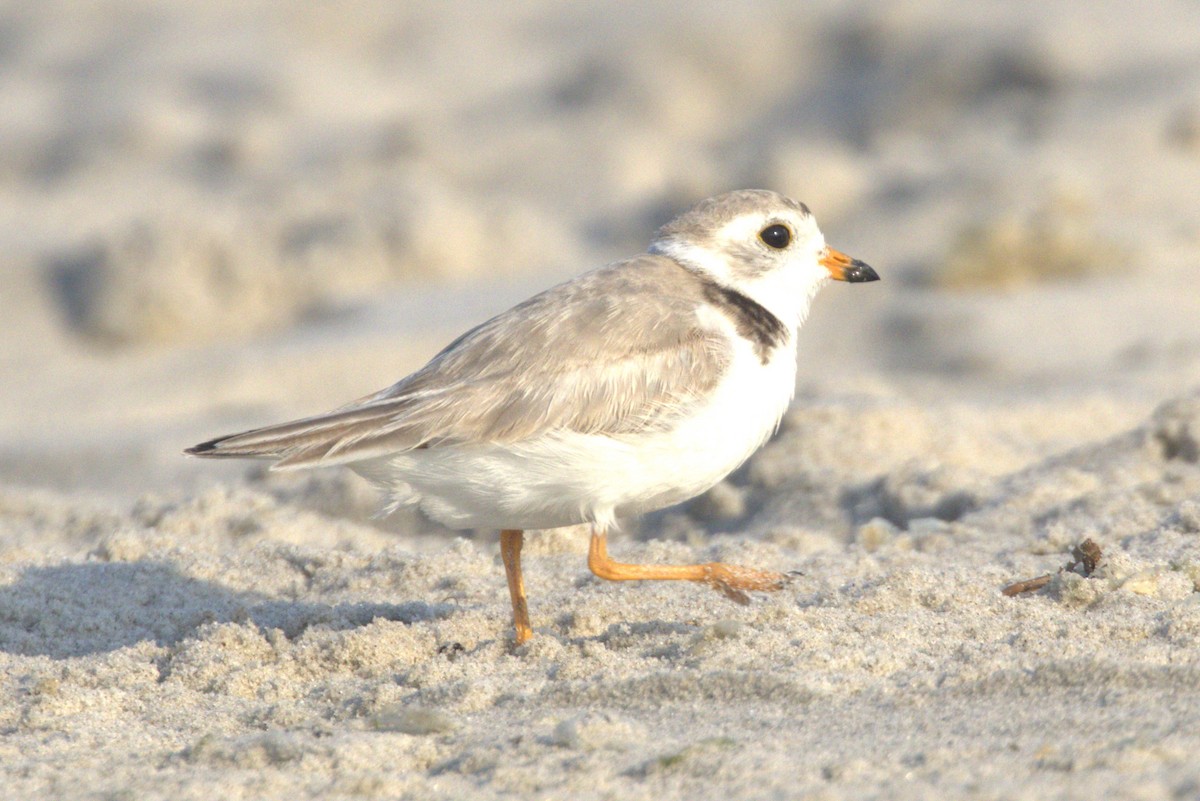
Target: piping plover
{"type": "Point", "coordinates": [627, 389]}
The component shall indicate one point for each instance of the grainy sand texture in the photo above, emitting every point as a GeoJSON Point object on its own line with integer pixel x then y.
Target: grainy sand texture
{"type": "Point", "coordinates": [219, 215]}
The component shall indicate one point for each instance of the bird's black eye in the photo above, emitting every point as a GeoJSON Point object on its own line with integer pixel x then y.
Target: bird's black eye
{"type": "Point", "coordinates": [776, 236]}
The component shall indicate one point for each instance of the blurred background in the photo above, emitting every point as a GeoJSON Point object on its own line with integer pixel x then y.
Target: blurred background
{"type": "Point", "coordinates": [218, 215]}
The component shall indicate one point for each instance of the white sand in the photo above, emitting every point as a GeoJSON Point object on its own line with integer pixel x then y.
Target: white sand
{"type": "Point", "coordinates": [219, 215]}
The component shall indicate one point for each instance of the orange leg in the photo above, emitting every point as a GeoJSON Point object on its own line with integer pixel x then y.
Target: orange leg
{"type": "Point", "coordinates": [510, 552]}
{"type": "Point", "coordinates": [730, 580]}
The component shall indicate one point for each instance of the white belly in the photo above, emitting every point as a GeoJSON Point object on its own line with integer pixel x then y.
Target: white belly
{"type": "Point", "coordinates": [564, 478]}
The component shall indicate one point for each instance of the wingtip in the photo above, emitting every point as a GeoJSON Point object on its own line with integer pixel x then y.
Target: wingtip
{"type": "Point", "coordinates": [203, 449]}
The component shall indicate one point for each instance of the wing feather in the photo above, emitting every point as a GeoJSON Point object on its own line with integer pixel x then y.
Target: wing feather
{"type": "Point", "coordinates": [616, 351]}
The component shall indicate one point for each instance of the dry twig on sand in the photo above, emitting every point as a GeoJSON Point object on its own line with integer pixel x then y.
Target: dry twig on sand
{"type": "Point", "coordinates": [1085, 555]}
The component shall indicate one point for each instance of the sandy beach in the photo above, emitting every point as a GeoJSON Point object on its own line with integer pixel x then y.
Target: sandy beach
{"type": "Point", "coordinates": [221, 215]}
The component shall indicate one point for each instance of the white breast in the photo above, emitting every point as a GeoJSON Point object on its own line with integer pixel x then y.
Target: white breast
{"type": "Point", "coordinates": [742, 414]}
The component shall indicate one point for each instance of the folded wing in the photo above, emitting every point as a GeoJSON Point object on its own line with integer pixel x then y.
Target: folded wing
{"type": "Point", "coordinates": [616, 351]}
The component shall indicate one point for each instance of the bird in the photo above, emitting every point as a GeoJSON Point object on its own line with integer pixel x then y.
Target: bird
{"type": "Point", "coordinates": [626, 389]}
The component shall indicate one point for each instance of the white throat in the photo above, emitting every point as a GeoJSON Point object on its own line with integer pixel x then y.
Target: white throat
{"type": "Point", "coordinates": [786, 292]}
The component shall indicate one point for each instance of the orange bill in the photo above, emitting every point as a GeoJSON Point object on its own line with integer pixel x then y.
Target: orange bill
{"type": "Point", "coordinates": [844, 268]}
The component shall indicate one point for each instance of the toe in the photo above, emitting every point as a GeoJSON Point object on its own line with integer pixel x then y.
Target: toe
{"type": "Point", "coordinates": [732, 593]}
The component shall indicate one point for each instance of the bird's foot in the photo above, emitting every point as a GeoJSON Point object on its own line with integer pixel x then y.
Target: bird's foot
{"type": "Point", "coordinates": [734, 581]}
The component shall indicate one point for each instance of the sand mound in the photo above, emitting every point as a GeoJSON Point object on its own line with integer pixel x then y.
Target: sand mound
{"type": "Point", "coordinates": [233, 641]}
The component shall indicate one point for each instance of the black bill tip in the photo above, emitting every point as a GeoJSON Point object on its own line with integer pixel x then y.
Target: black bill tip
{"type": "Point", "coordinates": [859, 272]}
